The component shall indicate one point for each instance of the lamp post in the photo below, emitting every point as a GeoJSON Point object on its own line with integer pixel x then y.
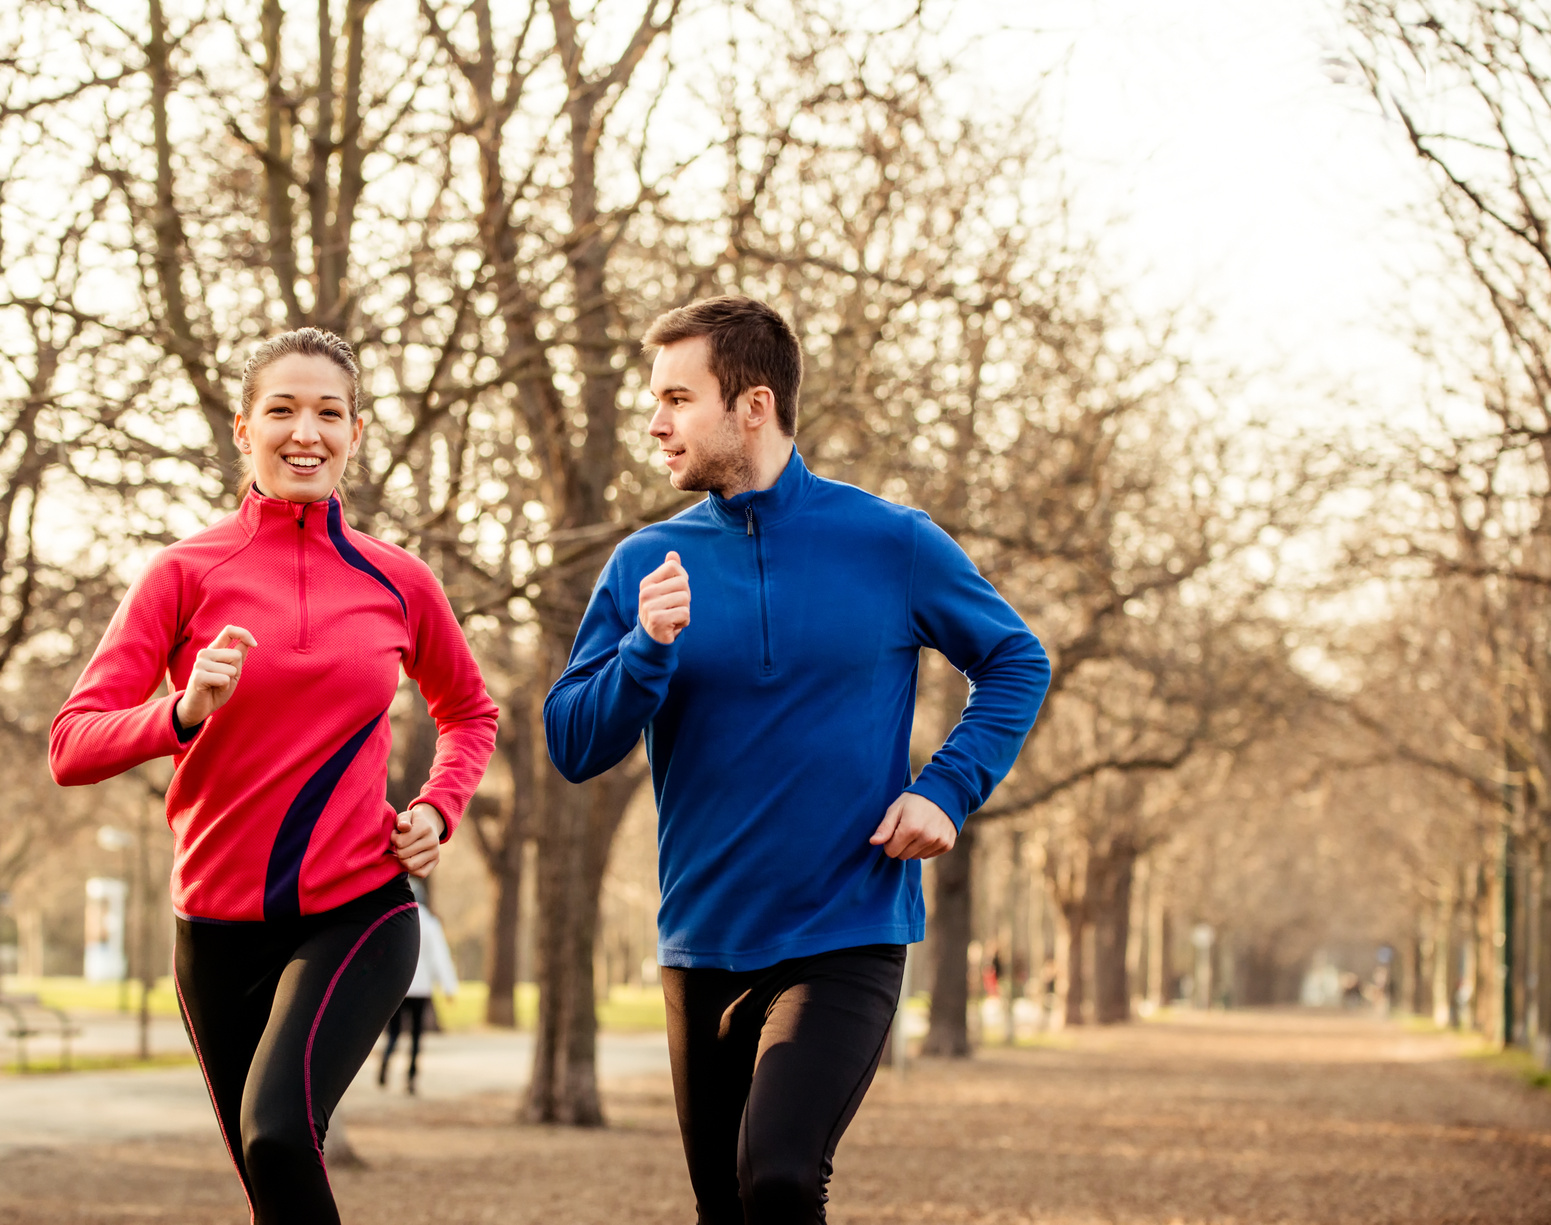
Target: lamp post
{"type": "Point", "coordinates": [111, 838]}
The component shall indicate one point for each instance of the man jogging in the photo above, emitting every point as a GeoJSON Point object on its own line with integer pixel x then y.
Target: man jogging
{"type": "Point", "coordinates": [777, 720]}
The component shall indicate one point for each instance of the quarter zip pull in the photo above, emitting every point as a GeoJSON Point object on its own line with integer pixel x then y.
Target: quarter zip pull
{"type": "Point", "coordinates": [303, 581]}
{"type": "Point", "coordinates": [767, 664]}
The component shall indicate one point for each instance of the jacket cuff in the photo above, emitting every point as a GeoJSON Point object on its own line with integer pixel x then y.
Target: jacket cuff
{"type": "Point", "coordinates": [946, 794]}
{"type": "Point", "coordinates": [184, 734]}
{"type": "Point", "coordinates": [649, 662]}
{"type": "Point", "coordinates": [448, 823]}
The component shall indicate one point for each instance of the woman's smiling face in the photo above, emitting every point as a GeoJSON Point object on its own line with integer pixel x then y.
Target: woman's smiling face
{"type": "Point", "coordinates": [300, 432]}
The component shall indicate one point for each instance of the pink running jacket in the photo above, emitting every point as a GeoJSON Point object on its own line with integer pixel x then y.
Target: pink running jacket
{"type": "Point", "coordinates": [277, 799]}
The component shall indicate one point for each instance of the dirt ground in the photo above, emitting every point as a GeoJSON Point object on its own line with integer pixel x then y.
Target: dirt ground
{"type": "Point", "coordinates": [1239, 1118]}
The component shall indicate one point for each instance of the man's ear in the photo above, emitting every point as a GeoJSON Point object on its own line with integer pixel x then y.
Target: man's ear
{"type": "Point", "coordinates": [761, 405]}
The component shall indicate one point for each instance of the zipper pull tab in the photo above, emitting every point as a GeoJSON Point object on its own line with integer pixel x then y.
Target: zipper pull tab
{"type": "Point", "coordinates": [749, 511]}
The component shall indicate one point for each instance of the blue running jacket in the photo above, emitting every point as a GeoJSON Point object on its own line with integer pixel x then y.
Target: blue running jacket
{"type": "Point", "coordinates": [778, 723]}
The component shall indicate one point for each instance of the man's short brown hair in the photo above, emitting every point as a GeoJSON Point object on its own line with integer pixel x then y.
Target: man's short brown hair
{"type": "Point", "coordinates": [751, 346]}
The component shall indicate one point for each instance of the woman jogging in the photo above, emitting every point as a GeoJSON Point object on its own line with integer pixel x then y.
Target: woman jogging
{"type": "Point", "coordinates": [281, 632]}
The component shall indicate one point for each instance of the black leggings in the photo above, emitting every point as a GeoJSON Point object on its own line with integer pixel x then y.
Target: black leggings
{"type": "Point", "coordinates": [282, 1015]}
{"type": "Point", "coordinates": [413, 1010]}
{"type": "Point", "coordinates": [769, 1068]}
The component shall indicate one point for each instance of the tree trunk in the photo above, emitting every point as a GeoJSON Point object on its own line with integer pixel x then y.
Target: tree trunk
{"type": "Point", "coordinates": [501, 954]}
{"type": "Point", "coordinates": [1109, 904]}
{"type": "Point", "coordinates": [1158, 968]}
{"type": "Point", "coordinates": [1443, 961]}
{"type": "Point", "coordinates": [503, 838]}
{"type": "Point", "coordinates": [1071, 980]}
{"type": "Point", "coordinates": [573, 846]}
{"type": "Point", "coordinates": [1543, 946]}
{"type": "Point", "coordinates": [948, 1033]}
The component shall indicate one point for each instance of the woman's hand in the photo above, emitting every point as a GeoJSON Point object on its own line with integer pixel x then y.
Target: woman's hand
{"type": "Point", "coordinates": [217, 669]}
{"type": "Point", "coordinates": [417, 839]}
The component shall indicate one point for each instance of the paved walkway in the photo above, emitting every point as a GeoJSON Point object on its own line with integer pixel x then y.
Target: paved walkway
{"type": "Point", "coordinates": [1236, 1119]}
{"type": "Point", "coordinates": [99, 1107]}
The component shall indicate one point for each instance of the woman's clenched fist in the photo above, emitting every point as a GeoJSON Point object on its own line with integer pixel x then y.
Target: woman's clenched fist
{"type": "Point", "coordinates": [217, 669]}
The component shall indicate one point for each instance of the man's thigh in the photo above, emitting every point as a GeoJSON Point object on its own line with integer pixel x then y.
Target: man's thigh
{"type": "Point", "coordinates": [713, 1034]}
{"type": "Point", "coordinates": [819, 1047]}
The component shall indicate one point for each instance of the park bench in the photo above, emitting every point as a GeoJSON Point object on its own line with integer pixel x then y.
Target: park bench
{"type": "Point", "coordinates": [29, 1018]}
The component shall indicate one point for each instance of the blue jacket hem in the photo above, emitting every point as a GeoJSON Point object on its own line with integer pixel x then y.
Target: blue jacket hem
{"type": "Point", "coordinates": [820, 942]}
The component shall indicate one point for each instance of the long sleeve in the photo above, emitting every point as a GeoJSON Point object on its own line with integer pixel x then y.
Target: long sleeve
{"type": "Point", "coordinates": [956, 611]}
{"type": "Point", "coordinates": [615, 682]}
{"type": "Point", "coordinates": [108, 725]}
{"type": "Point", "coordinates": [448, 676]}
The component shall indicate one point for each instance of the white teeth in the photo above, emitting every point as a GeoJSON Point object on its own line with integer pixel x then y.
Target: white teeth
{"type": "Point", "coordinates": [299, 461]}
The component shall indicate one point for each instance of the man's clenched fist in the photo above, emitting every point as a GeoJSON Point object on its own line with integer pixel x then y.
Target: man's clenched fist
{"type": "Point", "coordinates": [664, 606]}
{"type": "Point", "coordinates": [915, 828]}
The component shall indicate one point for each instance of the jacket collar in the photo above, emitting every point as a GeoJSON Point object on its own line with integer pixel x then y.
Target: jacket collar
{"type": "Point", "coordinates": [771, 505]}
{"type": "Point", "coordinates": [259, 510]}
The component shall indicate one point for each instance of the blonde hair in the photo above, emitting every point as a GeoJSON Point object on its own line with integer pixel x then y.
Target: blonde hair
{"type": "Point", "coordinates": [303, 342]}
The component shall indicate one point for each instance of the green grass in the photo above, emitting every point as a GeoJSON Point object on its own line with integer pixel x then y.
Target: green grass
{"type": "Point", "coordinates": [626, 1010]}
{"type": "Point", "coordinates": [467, 1010]}
{"type": "Point", "coordinates": [50, 1062]}
{"type": "Point", "coordinates": [1415, 1023]}
{"type": "Point", "coordinates": [1517, 1062]}
{"type": "Point", "coordinates": [78, 995]}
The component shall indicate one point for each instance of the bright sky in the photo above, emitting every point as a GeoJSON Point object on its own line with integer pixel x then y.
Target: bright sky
{"type": "Point", "coordinates": [1246, 179]}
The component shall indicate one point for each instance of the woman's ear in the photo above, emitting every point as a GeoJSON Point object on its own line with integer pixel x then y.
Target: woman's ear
{"type": "Point", "coordinates": [240, 432]}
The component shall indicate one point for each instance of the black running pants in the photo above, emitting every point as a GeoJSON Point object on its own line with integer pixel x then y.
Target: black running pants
{"type": "Point", "coordinates": [413, 1011]}
{"type": "Point", "coordinates": [769, 1068]}
{"type": "Point", "coordinates": [282, 1015]}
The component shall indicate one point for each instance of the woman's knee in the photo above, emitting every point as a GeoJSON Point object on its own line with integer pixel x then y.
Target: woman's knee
{"type": "Point", "coordinates": [275, 1148]}
{"type": "Point", "coordinates": [781, 1192]}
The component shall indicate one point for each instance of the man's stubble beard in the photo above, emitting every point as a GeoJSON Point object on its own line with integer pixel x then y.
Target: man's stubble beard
{"type": "Point", "coordinates": [724, 465]}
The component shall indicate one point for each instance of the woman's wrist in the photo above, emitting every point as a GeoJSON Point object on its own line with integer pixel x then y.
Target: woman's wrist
{"type": "Point", "coordinates": [431, 814]}
{"type": "Point", "coordinates": [183, 715]}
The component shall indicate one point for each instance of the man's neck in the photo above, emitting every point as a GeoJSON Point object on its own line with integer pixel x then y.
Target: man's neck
{"type": "Point", "coordinates": [769, 461]}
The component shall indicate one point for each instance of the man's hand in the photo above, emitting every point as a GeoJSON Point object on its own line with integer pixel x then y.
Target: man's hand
{"type": "Point", "coordinates": [664, 604]}
{"type": "Point", "coordinates": [417, 839]}
{"type": "Point", "coordinates": [915, 828]}
{"type": "Point", "coordinates": [214, 676]}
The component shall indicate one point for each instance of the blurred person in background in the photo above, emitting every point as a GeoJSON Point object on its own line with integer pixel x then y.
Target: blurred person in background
{"type": "Point", "coordinates": [281, 632]}
{"type": "Point", "coordinates": [434, 971]}
{"type": "Point", "coordinates": [778, 722]}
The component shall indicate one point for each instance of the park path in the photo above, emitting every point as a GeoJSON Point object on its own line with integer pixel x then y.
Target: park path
{"type": "Point", "coordinates": [1232, 1119]}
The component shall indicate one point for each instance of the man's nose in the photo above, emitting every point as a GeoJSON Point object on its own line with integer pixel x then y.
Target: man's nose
{"type": "Point", "coordinates": [659, 426]}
